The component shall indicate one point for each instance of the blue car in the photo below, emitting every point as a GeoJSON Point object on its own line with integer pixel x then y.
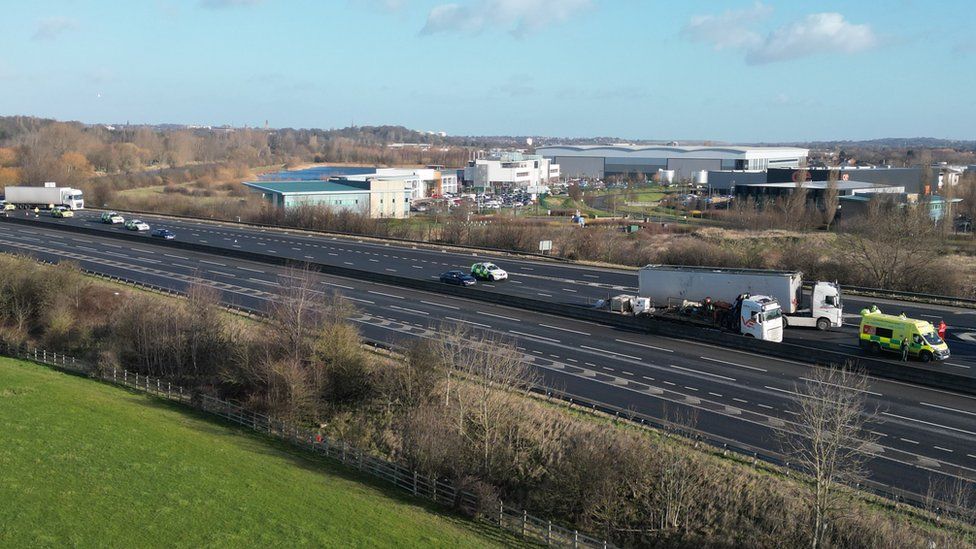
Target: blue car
{"type": "Point", "coordinates": [163, 233]}
{"type": "Point", "coordinates": [460, 278]}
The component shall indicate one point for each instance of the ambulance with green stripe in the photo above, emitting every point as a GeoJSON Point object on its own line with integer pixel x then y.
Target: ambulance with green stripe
{"type": "Point", "coordinates": [880, 332]}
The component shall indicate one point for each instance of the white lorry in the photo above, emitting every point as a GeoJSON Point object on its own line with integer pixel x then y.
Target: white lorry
{"type": "Point", "coordinates": [48, 196]}
{"type": "Point", "coordinates": [755, 316]}
{"type": "Point", "coordinates": [666, 284]}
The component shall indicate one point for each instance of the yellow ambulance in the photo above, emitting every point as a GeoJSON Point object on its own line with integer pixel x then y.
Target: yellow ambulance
{"type": "Point", "coordinates": [880, 332]}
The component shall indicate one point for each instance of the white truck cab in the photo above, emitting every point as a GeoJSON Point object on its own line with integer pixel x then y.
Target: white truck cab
{"type": "Point", "coordinates": [825, 310]}
{"type": "Point", "coordinates": [761, 317]}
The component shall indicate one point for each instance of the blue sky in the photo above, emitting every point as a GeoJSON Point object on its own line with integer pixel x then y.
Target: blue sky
{"type": "Point", "coordinates": [732, 71]}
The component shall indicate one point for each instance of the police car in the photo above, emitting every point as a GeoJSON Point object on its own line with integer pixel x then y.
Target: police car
{"type": "Point", "coordinates": [488, 271]}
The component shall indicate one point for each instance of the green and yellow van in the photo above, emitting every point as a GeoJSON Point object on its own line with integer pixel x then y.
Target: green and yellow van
{"type": "Point", "coordinates": [880, 332]}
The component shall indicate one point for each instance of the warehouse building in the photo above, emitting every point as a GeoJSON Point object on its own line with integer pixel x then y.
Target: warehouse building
{"type": "Point", "coordinates": [378, 197]}
{"type": "Point", "coordinates": [601, 161]}
{"type": "Point", "coordinates": [419, 183]}
{"type": "Point", "coordinates": [511, 170]}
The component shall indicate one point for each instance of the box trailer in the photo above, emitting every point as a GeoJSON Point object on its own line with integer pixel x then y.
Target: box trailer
{"type": "Point", "coordinates": [48, 196]}
{"type": "Point", "coordinates": [667, 285]}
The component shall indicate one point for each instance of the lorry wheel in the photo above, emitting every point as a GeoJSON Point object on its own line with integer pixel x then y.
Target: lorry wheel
{"type": "Point", "coordinates": [925, 356]}
{"type": "Point", "coordinates": [875, 348]}
{"type": "Point", "coordinates": [823, 324]}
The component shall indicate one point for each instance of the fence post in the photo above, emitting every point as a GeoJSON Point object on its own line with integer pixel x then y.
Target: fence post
{"type": "Point", "coordinates": [44, 355]}
{"type": "Point", "coordinates": [525, 520]}
{"type": "Point", "coordinates": [501, 511]}
{"type": "Point", "coordinates": [125, 377]}
{"type": "Point", "coordinates": [549, 533]}
{"type": "Point", "coordinates": [575, 538]}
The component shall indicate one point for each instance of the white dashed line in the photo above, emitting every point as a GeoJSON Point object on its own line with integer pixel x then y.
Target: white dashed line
{"type": "Point", "coordinates": [564, 329]}
{"type": "Point", "coordinates": [644, 345]}
{"type": "Point", "coordinates": [609, 352]}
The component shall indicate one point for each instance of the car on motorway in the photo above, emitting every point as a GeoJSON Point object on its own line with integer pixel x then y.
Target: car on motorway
{"type": "Point", "coordinates": [488, 271]}
{"type": "Point", "coordinates": [7, 206]}
{"type": "Point", "coordinates": [460, 278]}
{"type": "Point", "coordinates": [61, 212]}
{"type": "Point", "coordinates": [136, 225]}
{"type": "Point", "coordinates": [164, 234]}
{"type": "Point", "coordinates": [112, 218]}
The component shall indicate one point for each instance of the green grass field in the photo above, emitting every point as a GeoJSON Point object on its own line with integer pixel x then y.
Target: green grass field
{"type": "Point", "coordinates": [86, 464]}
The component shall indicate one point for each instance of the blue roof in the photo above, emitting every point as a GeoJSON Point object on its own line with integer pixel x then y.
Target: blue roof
{"type": "Point", "coordinates": [289, 187]}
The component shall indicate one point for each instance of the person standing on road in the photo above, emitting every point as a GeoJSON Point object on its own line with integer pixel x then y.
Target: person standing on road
{"type": "Point", "coordinates": [942, 329]}
{"type": "Point", "coordinates": [904, 350]}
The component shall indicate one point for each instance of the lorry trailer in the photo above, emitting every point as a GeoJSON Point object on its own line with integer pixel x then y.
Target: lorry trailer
{"type": "Point", "coordinates": [49, 196]}
{"type": "Point", "coordinates": [750, 315]}
{"type": "Point", "coordinates": [666, 285]}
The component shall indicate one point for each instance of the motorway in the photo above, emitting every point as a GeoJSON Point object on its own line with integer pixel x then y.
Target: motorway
{"type": "Point", "coordinates": [536, 279]}
{"type": "Point", "coordinates": [735, 396]}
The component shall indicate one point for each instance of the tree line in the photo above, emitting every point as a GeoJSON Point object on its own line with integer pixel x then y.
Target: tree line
{"type": "Point", "coordinates": [458, 405]}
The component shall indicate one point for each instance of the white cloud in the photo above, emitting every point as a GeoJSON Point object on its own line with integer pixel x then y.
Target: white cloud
{"type": "Point", "coordinates": [814, 34]}
{"type": "Point", "coordinates": [731, 29]}
{"type": "Point", "coordinates": [519, 17]}
{"type": "Point", "coordinates": [52, 27]}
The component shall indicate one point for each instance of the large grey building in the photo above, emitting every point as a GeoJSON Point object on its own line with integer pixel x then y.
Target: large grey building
{"type": "Point", "coordinates": [600, 161]}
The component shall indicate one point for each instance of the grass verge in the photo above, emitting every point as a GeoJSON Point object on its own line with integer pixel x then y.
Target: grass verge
{"type": "Point", "coordinates": [85, 464]}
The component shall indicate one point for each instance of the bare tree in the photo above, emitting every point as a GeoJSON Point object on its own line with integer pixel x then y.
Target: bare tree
{"type": "Point", "coordinates": [295, 315]}
{"type": "Point", "coordinates": [831, 199]}
{"type": "Point", "coordinates": [830, 442]}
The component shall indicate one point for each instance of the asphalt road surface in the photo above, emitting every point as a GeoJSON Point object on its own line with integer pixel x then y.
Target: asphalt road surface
{"type": "Point", "coordinates": [743, 398]}
{"type": "Point", "coordinates": [555, 281]}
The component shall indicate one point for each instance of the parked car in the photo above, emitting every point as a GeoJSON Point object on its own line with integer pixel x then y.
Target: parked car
{"type": "Point", "coordinates": [458, 277]}
{"type": "Point", "coordinates": [164, 233]}
{"type": "Point", "coordinates": [113, 218]}
{"type": "Point", "coordinates": [61, 212]}
{"type": "Point", "coordinates": [136, 225]}
{"type": "Point", "coordinates": [488, 271]}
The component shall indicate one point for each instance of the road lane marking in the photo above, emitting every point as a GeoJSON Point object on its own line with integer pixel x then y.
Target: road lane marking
{"type": "Point", "coordinates": [941, 448]}
{"type": "Point", "coordinates": [644, 345]}
{"type": "Point", "coordinates": [499, 316]}
{"type": "Point", "coordinates": [361, 300]}
{"type": "Point", "coordinates": [929, 423]}
{"type": "Point", "coordinates": [610, 352]}
{"type": "Point", "coordinates": [440, 305]}
{"type": "Point", "coordinates": [543, 295]}
{"type": "Point", "coordinates": [910, 441]}
{"type": "Point", "coordinates": [835, 385]}
{"type": "Point", "coordinates": [467, 321]}
{"type": "Point", "coordinates": [564, 329]}
{"type": "Point", "coordinates": [732, 364]}
{"type": "Point", "coordinates": [535, 336]}
{"type": "Point", "coordinates": [213, 263]}
{"type": "Point", "coordinates": [956, 365]}
{"type": "Point", "coordinates": [409, 310]}
{"type": "Point", "coordinates": [252, 270]}
{"type": "Point", "coordinates": [947, 408]}
{"type": "Point", "coordinates": [338, 285]}
{"type": "Point", "coordinates": [703, 373]}
{"type": "Point", "coordinates": [180, 257]}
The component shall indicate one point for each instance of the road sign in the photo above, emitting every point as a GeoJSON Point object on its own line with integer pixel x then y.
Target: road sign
{"type": "Point", "coordinates": [545, 245]}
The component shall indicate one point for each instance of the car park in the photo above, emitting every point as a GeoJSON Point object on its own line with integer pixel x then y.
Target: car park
{"type": "Point", "coordinates": [460, 278]}
{"type": "Point", "coordinates": [136, 225]}
{"type": "Point", "coordinates": [488, 271]}
{"type": "Point", "coordinates": [61, 212]}
{"type": "Point", "coordinates": [164, 234]}
{"type": "Point", "coordinates": [112, 218]}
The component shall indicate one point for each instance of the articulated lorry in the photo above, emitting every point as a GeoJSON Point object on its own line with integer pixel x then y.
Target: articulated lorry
{"type": "Point", "coordinates": [48, 196]}
{"type": "Point", "coordinates": [666, 285]}
{"type": "Point", "coordinates": [755, 316]}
